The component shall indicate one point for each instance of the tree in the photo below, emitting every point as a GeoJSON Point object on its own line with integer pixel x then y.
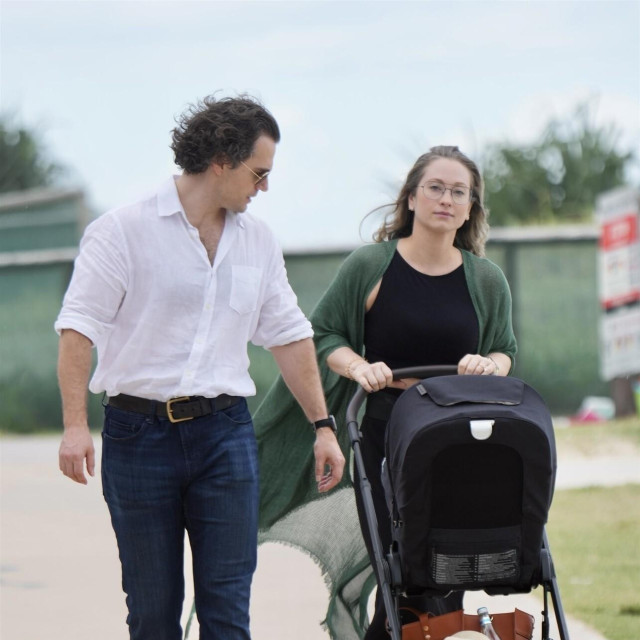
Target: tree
{"type": "Point", "coordinates": [23, 161]}
{"type": "Point", "coordinates": [557, 178]}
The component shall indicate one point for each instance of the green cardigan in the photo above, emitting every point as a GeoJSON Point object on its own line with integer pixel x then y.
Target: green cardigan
{"type": "Point", "coordinates": [291, 510]}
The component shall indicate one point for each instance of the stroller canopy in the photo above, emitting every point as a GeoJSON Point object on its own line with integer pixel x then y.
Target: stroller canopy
{"type": "Point", "coordinates": [469, 476]}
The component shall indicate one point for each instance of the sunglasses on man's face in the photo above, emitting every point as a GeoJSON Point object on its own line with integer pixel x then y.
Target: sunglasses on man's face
{"type": "Point", "coordinates": [259, 176]}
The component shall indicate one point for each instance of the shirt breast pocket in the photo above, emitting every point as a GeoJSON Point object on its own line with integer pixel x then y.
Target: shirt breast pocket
{"type": "Point", "coordinates": [245, 288]}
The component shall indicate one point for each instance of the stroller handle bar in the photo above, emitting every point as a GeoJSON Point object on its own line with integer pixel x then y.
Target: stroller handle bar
{"type": "Point", "coordinates": [407, 372]}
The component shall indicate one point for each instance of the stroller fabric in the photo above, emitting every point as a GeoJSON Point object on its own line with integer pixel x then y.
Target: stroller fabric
{"type": "Point", "coordinates": [470, 472]}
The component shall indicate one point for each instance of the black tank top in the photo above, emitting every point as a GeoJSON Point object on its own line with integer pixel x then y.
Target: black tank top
{"type": "Point", "coordinates": [418, 319]}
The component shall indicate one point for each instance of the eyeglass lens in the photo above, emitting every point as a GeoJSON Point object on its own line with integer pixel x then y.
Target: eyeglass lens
{"type": "Point", "coordinates": [259, 176]}
{"type": "Point", "coordinates": [435, 190]}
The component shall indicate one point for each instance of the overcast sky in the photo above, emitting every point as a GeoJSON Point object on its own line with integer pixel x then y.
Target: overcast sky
{"type": "Point", "coordinates": [360, 88]}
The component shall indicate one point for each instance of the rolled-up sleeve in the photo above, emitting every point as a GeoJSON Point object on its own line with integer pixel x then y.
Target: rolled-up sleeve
{"type": "Point", "coordinates": [281, 321]}
{"type": "Point", "coordinates": [98, 283]}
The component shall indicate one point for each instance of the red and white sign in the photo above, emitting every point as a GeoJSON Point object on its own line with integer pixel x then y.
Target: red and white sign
{"type": "Point", "coordinates": [620, 232]}
{"type": "Point", "coordinates": [617, 212]}
{"type": "Point", "coordinates": [619, 255]}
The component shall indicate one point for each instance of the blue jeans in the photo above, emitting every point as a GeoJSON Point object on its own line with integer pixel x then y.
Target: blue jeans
{"type": "Point", "coordinates": [160, 479]}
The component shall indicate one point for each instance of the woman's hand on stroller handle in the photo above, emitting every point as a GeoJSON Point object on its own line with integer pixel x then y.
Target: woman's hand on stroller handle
{"type": "Point", "coordinates": [479, 365]}
{"type": "Point", "coordinates": [375, 376]}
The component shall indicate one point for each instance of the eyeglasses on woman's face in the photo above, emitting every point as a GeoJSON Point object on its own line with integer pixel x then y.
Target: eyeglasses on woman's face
{"type": "Point", "coordinates": [434, 190]}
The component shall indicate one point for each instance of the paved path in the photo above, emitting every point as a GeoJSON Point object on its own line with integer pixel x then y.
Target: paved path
{"type": "Point", "coordinates": [61, 576]}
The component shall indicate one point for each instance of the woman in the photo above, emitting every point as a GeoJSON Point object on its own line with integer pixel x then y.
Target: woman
{"type": "Point", "coordinates": [421, 295]}
{"type": "Point", "coordinates": [425, 297]}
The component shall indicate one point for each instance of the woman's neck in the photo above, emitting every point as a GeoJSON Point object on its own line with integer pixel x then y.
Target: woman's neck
{"type": "Point", "coordinates": [434, 257]}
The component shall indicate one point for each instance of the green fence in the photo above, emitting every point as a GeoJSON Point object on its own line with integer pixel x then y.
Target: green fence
{"type": "Point", "coordinates": [552, 275]}
{"type": "Point", "coordinates": [41, 219]}
{"type": "Point", "coordinates": [553, 279]}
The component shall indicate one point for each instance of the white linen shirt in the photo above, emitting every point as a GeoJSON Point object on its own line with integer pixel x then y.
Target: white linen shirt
{"type": "Point", "coordinates": [165, 321]}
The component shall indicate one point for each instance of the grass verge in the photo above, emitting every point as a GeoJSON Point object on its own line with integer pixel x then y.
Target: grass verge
{"type": "Point", "coordinates": [594, 534]}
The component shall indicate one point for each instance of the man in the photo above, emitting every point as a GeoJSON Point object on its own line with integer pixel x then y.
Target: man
{"type": "Point", "coordinates": [170, 290]}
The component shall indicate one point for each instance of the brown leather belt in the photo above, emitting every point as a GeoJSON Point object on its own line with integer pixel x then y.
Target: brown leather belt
{"type": "Point", "coordinates": [176, 409]}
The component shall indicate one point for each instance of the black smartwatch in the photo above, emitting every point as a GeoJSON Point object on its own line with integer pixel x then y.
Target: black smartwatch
{"type": "Point", "coordinates": [326, 422]}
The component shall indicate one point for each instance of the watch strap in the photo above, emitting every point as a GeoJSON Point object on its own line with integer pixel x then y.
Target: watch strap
{"type": "Point", "coordinates": [326, 422]}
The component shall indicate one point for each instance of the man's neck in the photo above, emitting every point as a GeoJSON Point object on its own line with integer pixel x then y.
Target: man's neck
{"type": "Point", "coordinates": [199, 200]}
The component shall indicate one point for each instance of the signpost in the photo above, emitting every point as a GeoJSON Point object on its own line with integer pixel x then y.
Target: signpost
{"type": "Point", "coordinates": [618, 215]}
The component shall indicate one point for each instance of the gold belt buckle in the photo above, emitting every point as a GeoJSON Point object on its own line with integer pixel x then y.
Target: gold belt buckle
{"type": "Point", "coordinates": [170, 410]}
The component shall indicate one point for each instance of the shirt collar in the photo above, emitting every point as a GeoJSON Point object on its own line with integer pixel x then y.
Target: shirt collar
{"type": "Point", "coordinates": [169, 203]}
{"type": "Point", "coordinates": [238, 217]}
{"type": "Point", "coordinates": [168, 200]}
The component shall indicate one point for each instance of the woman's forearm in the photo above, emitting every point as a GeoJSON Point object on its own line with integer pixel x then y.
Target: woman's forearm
{"type": "Point", "coordinates": [343, 360]}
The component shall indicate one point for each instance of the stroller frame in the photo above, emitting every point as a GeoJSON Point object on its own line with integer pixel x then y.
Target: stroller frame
{"type": "Point", "coordinates": [387, 567]}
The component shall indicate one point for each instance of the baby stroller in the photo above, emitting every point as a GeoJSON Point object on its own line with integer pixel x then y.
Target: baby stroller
{"type": "Point", "coordinates": [469, 475]}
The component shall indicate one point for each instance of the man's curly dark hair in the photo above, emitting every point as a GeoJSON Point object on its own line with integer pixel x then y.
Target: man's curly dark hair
{"type": "Point", "coordinates": [222, 130]}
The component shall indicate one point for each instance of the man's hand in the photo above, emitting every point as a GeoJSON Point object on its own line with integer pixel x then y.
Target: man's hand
{"type": "Point", "coordinates": [75, 448]}
{"type": "Point", "coordinates": [329, 460]}
{"type": "Point", "coordinates": [74, 366]}
{"type": "Point", "coordinates": [297, 362]}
